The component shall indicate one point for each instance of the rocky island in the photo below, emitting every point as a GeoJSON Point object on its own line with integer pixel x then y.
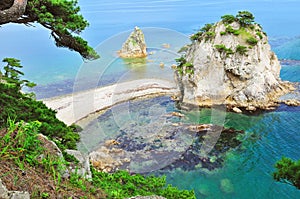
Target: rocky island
{"type": "Point", "coordinates": [230, 62]}
{"type": "Point", "coordinates": [134, 46]}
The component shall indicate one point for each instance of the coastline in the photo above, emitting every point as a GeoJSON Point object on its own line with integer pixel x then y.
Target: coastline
{"type": "Point", "coordinates": [75, 107]}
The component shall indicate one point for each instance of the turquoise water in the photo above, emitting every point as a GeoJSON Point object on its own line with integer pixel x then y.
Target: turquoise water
{"type": "Point", "coordinates": [247, 170]}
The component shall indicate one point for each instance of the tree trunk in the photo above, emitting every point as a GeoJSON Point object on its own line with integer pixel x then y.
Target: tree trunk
{"type": "Point", "coordinates": [14, 12]}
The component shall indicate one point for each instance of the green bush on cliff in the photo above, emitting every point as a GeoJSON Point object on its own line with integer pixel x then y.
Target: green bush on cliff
{"type": "Point", "coordinates": [252, 41]}
{"type": "Point", "coordinates": [288, 171]}
{"type": "Point", "coordinates": [205, 32]}
{"type": "Point", "coordinates": [19, 106]}
{"type": "Point", "coordinates": [241, 49]}
{"type": "Point", "coordinates": [228, 19]}
{"type": "Point", "coordinates": [222, 49]}
{"type": "Point", "coordinates": [245, 18]}
{"type": "Point", "coordinates": [123, 185]}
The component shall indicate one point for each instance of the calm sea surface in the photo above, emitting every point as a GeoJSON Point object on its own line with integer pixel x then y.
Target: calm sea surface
{"type": "Point", "coordinates": [271, 135]}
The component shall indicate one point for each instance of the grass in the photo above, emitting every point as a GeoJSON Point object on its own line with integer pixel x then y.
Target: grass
{"type": "Point", "coordinates": [34, 167]}
{"type": "Point", "coordinates": [29, 164]}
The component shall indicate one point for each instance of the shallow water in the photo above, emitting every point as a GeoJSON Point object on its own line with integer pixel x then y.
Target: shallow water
{"type": "Point", "coordinates": [247, 170]}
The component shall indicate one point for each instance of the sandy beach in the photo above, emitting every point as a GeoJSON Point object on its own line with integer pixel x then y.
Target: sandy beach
{"type": "Point", "coordinates": [74, 107]}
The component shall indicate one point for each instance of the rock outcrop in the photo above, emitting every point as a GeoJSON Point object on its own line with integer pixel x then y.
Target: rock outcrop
{"type": "Point", "coordinates": [230, 63]}
{"type": "Point", "coordinates": [135, 45]}
{"type": "Point", "coordinates": [5, 194]}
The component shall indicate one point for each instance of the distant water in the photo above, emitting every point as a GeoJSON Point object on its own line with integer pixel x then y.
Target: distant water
{"type": "Point", "coordinates": [247, 171]}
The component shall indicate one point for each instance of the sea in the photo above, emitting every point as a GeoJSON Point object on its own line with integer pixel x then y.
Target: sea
{"type": "Point", "coordinates": [167, 24]}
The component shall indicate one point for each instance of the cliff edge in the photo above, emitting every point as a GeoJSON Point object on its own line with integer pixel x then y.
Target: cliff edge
{"type": "Point", "coordinates": [231, 62]}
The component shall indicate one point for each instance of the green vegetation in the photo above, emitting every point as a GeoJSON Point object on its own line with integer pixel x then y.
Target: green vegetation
{"type": "Point", "coordinates": [62, 18]}
{"type": "Point", "coordinates": [252, 41]}
{"type": "Point", "coordinates": [245, 18]}
{"type": "Point", "coordinates": [241, 49]}
{"type": "Point", "coordinates": [223, 33]}
{"type": "Point", "coordinates": [258, 33]}
{"type": "Point", "coordinates": [183, 67]}
{"type": "Point", "coordinates": [36, 168]}
{"type": "Point", "coordinates": [288, 171]}
{"type": "Point", "coordinates": [12, 74]}
{"type": "Point", "coordinates": [123, 185]}
{"type": "Point", "coordinates": [32, 160]}
{"type": "Point", "coordinates": [222, 49]}
{"type": "Point", "coordinates": [230, 30]}
{"type": "Point", "coordinates": [205, 32]}
{"type": "Point", "coordinates": [228, 19]}
{"type": "Point", "coordinates": [207, 27]}
{"type": "Point", "coordinates": [18, 106]}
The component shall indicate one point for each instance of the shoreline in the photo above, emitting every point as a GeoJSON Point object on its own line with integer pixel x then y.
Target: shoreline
{"type": "Point", "coordinates": [85, 105]}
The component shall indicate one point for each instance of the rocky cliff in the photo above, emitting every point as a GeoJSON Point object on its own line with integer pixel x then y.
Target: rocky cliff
{"type": "Point", "coordinates": [230, 62]}
{"type": "Point", "coordinates": [134, 46]}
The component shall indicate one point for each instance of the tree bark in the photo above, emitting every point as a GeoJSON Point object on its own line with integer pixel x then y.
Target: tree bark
{"type": "Point", "coordinates": [14, 12]}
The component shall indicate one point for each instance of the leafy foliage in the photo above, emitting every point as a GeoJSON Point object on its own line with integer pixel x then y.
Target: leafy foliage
{"type": "Point", "coordinates": [288, 171]}
{"type": "Point", "coordinates": [123, 185]}
{"type": "Point", "coordinates": [259, 34]}
{"type": "Point", "coordinates": [241, 49]}
{"type": "Point", "coordinates": [252, 41]}
{"type": "Point", "coordinates": [245, 18]}
{"type": "Point", "coordinates": [230, 30]}
{"type": "Point", "coordinates": [207, 27]}
{"type": "Point", "coordinates": [12, 74]}
{"type": "Point", "coordinates": [20, 143]}
{"type": "Point", "coordinates": [16, 105]}
{"type": "Point", "coordinates": [183, 67]}
{"type": "Point", "coordinates": [63, 19]}
{"type": "Point", "coordinates": [222, 49]}
{"type": "Point", "coordinates": [25, 152]}
{"type": "Point", "coordinates": [205, 32]}
{"type": "Point", "coordinates": [228, 19]}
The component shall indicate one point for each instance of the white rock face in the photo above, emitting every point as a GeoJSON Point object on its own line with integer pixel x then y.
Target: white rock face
{"type": "Point", "coordinates": [249, 79]}
{"type": "Point", "coordinates": [135, 45]}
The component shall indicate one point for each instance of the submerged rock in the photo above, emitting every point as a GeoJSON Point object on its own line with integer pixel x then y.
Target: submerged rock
{"type": "Point", "coordinates": [232, 64]}
{"type": "Point", "coordinates": [135, 45]}
{"type": "Point", "coordinates": [226, 186]}
{"type": "Point", "coordinates": [162, 148]}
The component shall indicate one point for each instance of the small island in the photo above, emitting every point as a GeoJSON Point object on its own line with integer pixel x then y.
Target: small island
{"type": "Point", "coordinates": [230, 62]}
{"type": "Point", "coordinates": [134, 46]}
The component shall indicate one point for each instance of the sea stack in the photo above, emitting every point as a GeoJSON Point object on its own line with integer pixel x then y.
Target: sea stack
{"type": "Point", "coordinates": [134, 46]}
{"type": "Point", "coordinates": [230, 62]}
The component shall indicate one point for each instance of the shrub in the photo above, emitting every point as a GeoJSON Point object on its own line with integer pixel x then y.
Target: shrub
{"type": "Point", "coordinates": [222, 33]}
{"type": "Point", "coordinates": [259, 35]}
{"type": "Point", "coordinates": [222, 49]}
{"type": "Point", "coordinates": [228, 19]}
{"type": "Point", "coordinates": [209, 35]}
{"type": "Point", "coordinates": [184, 67]}
{"type": "Point", "coordinates": [19, 106]}
{"type": "Point", "coordinates": [197, 36]}
{"type": "Point", "coordinates": [241, 49]}
{"type": "Point", "coordinates": [288, 171]}
{"type": "Point", "coordinates": [252, 41]}
{"type": "Point", "coordinates": [230, 30]}
{"type": "Point", "coordinates": [123, 185]}
{"type": "Point", "coordinates": [207, 27]}
{"type": "Point", "coordinates": [245, 18]}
